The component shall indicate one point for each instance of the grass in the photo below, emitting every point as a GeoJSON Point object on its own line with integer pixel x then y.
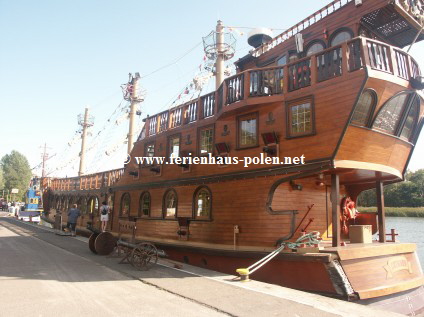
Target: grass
{"type": "Point", "coordinates": [397, 211]}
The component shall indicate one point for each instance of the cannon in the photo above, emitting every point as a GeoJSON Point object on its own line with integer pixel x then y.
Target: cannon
{"type": "Point", "coordinates": [142, 255]}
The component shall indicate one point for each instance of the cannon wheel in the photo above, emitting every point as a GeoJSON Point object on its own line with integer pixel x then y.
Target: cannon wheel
{"type": "Point", "coordinates": [91, 241]}
{"type": "Point", "coordinates": [144, 256]}
{"type": "Point", "coordinates": [105, 243]}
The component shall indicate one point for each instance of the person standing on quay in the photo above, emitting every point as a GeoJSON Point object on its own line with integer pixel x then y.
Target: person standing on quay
{"type": "Point", "coordinates": [104, 215]}
{"type": "Point", "coordinates": [73, 215]}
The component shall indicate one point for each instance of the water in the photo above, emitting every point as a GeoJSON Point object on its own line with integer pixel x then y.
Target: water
{"type": "Point", "coordinates": [410, 229]}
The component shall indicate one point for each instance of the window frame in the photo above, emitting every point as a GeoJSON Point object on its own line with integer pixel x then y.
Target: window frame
{"type": "Point", "coordinates": [403, 114]}
{"type": "Point", "coordinates": [295, 102]}
{"type": "Point", "coordinates": [371, 110]}
{"type": "Point", "coordinates": [146, 145]}
{"type": "Point", "coordinates": [336, 32]}
{"type": "Point", "coordinates": [168, 144]}
{"type": "Point", "coordinates": [199, 139]}
{"type": "Point", "coordinates": [140, 205]}
{"type": "Point", "coordinates": [241, 118]}
{"type": "Point", "coordinates": [312, 43]}
{"type": "Point", "coordinates": [126, 194]}
{"type": "Point", "coordinates": [164, 204]}
{"type": "Point", "coordinates": [195, 204]}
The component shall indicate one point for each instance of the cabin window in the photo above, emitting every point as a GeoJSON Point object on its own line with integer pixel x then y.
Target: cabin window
{"type": "Point", "coordinates": [205, 140]}
{"type": "Point", "coordinates": [411, 120]}
{"type": "Point", "coordinates": [174, 146]}
{"type": "Point", "coordinates": [93, 205]}
{"type": "Point", "coordinates": [125, 205]}
{"type": "Point", "coordinates": [300, 118]}
{"type": "Point", "coordinates": [340, 36]}
{"type": "Point", "coordinates": [282, 60]}
{"type": "Point", "coordinates": [149, 150]}
{"type": "Point", "coordinates": [390, 114]}
{"type": "Point", "coordinates": [202, 203]}
{"type": "Point", "coordinates": [247, 131]}
{"type": "Point", "coordinates": [170, 204]}
{"type": "Point", "coordinates": [314, 47]}
{"type": "Point", "coordinates": [364, 108]}
{"type": "Point", "coordinates": [144, 205]}
{"type": "Point", "coordinates": [82, 204]}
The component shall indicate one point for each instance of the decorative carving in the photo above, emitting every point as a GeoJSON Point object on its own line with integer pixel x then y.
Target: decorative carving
{"type": "Point", "coordinates": [226, 131]}
{"type": "Point", "coordinates": [271, 119]}
{"type": "Point", "coordinates": [395, 264]}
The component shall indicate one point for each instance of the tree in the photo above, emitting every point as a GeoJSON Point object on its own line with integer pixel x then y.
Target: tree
{"type": "Point", "coordinates": [16, 172]}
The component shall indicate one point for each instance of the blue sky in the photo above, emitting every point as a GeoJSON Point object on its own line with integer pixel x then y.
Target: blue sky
{"type": "Point", "coordinates": [57, 57]}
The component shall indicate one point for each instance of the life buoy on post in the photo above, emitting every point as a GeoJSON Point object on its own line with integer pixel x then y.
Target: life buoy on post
{"type": "Point", "coordinates": [348, 212]}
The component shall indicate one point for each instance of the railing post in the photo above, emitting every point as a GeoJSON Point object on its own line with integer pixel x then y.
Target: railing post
{"type": "Point", "coordinates": [285, 79]}
{"type": "Point", "coordinates": [246, 85]}
{"type": "Point", "coordinates": [345, 58]}
{"type": "Point", "coordinates": [314, 70]}
{"type": "Point", "coordinates": [393, 62]}
{"type": "Point", "coordinates": [365, 54]}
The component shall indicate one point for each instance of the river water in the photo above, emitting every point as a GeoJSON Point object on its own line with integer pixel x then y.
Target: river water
{"type": "Point", "coordinates": [410, 229]}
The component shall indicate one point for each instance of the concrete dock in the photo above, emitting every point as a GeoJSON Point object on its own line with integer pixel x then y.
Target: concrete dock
{"type": "Point", "coordinates": [44, 274]}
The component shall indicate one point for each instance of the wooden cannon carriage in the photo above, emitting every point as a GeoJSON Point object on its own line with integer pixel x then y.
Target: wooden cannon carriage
{"type": "Point", "coordinates": [142, 255]}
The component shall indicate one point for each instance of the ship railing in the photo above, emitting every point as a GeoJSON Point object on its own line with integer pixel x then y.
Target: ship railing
{"type": "Point", "coordinates": [86, 182]}
{"type": "Point", "coordinates": [333, 62]}
{"type": "Point", "coordinates": [299, 27]}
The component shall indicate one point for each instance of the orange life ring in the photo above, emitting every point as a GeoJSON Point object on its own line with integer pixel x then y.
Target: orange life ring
{"type": "Point", "coordinates": [348, 212]}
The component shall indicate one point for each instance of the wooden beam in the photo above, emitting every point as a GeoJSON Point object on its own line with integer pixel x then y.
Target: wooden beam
{"type": "Point", "coordinates": [335, 194]}
{"type": "Point", "coordinates": [380, 211]}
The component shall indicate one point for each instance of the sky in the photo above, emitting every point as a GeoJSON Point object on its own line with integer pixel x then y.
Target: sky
{"type": "Point", "coordinates": [58, 57]}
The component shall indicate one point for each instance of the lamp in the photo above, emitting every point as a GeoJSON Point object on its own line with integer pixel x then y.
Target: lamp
{"type": "Point", "coordinates": [320, 180]}
{"type": "Point", "coordinates": [295, 186]}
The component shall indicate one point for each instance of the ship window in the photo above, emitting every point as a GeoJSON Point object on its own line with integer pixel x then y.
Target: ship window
{"type": "Point", "coordinates": [300, 120]}
{"type": "Point", "coordinates": [202, 203]}
{"type": "Point", "coordinates": [144, 205]}
{"type": "Point", "coordinates": [314, 47]}
{"type": "Point", "coordinates": [82, 204]}
{"type": "Point", "coordinates": [364, 108]}
{"type": "Point", "coordinates": [93, 205]}
{"type": "Point", "coordinates": [125, 205]}
{"type": "Point", "coordinates": [390, 114]}
{"type": "Point", "coordinates": [174, 146]}
{"type": "Point", "coordinates": [340, 36]}
{"type": "Point", "coordinates": [205, 140]}
{"type": "Point", "coordinates": [411, 121]}
{"type": "Point", "coordinates": [247, 131]}
{"type": "Point", "coordinates": [149, 150]}
{"type": "Point", "coordinates": [282, 60]}
{"type": "Point", "coordinates": [170, 204]}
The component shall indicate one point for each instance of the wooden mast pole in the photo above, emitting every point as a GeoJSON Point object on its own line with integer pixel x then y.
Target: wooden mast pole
{"type": "Point", "coordinates": [134, 101]}
{"type": "Point", "coordinates": [219, 64]}
{"type": "Point", "coordinates": [83, 137]}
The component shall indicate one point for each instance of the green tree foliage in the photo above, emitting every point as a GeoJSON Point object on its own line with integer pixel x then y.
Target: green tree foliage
{"type": "Point", "coordinates": [16, 172]}
{"type": "Point", "coordinates": [409, 193]}
{"type": "Point", "coordinates": [1, 178]}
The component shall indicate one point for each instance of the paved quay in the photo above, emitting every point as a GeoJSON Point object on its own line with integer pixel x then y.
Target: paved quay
{"type": "Point", "coordinates": [44, 274]}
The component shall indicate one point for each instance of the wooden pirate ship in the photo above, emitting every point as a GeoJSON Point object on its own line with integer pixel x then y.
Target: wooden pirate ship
{"type": "Point", "coordinates": [327, 109]}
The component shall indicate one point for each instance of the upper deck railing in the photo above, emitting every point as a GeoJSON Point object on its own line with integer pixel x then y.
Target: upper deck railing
{"type": "Point", "coordinates": [86, 182]}
{"type": "Point", "coordinates": [333, 62]}
{"type": "Point", "coordinates": [310, 20]}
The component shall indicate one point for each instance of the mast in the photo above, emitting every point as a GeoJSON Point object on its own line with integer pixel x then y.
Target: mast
{"type": "Point", "coordinates": [85, 122]}
{"type": "Point", "coordinates": [45, 155]}
{"type": "Point", "coordinates": [133, 110]}
{"type": "Point", "coordinates": [219, 77]}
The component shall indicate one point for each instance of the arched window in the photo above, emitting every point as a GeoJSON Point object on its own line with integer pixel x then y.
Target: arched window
{"type": "Point", "coordinates": [93, 205]}
{"type": "Point", "coordinates": [314, 47]}
{"type": "Point", "coordinates": [202, 203]}
{"type": "Point", "coordinates": [411, 120]}
{"type": "Point", "coordinates": [390, 114]}
{"type": "Point", "coordinates": [341, 35]}
{"type": "Point", "coordinates": [170, 203]}
{"type": "Point", "coordinates": [364, 108]}
{"type": "Point", "coordinates": [125, 205]}
{"type": "Point", "coordinates": [82, 205]}
{"type": "Point", "coordinates": [145, 202]}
